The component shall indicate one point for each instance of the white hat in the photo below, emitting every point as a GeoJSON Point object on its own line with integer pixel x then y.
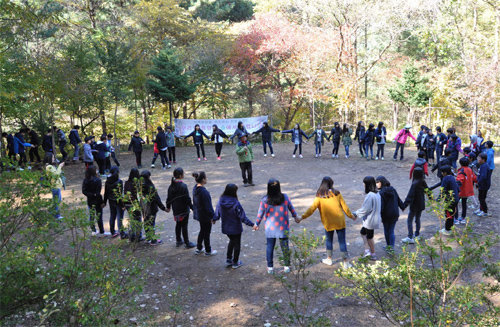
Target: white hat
{"type": "Point", "coordinates": [407, 126]}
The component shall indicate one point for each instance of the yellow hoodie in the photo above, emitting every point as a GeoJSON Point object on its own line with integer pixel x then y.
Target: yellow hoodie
{"type": "Point", "coordinates": [331, 210]}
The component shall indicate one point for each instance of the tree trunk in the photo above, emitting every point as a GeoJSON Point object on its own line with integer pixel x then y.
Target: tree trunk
{"type": "Point", "coordinates": [145, 117]}
{"type": "Point", "coordinates": [184, 110]}
{"type": "Point", "coordinates": [250, 94]}
{"type": "Point", "coordinates": [474, 119]}
{"type": "Point", "coordinates": [395, 115]}
{"type": "Point", "coordinates": [193, 106]}
{"type": "Point", "coordinates": [136, 113]}
{"type": "Point", "coordinates": [103, 117]}
{"type": "Point", "coordinates": [2, 151]}
{"type": "Point", "coordinates": [114, 122]}
{"type": "Point", "coordinates": [170, 111]}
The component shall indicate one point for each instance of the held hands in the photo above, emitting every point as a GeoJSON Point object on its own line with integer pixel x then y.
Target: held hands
{"type": "Point", "coordinates": [355, 216]}
{"type": "Point", "coordinates": [167, 210]}
{"type": "Point", "coordinates": [297, 220]}
{"type": "Point", "coordinates": [213, 222]}
{"type": "Point", "coordinates": [255, 227]}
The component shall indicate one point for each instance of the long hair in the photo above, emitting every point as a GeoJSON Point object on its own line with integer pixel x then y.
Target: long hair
{"type": "Point", "coordinates": [370, 185]}
{"type": "Point", "coordinates": [178, 173]}
{"type": "Point", "coordinates": [371, 127]}
{"type": "Point", "coordinates": [134, 173]}
{"type": "Point", "coordinates": [274, 195]}
{"type": "Point", "coordinates": [90, 172]}
{"type": "Point", "coordinates": [298, 126]}
{"type": "Point", "coordinates": [380, 125]}
{"type": "Point", "coordinates": [240, 125]}
{"type": "Point", "coordinates": [383, 180]}
{"type": "Point", "coordinates": [325, 187]}
{"type": "Point", "coordinates": [197, 125]}
{"type": "Point", "coordinates": [345, 130]}
{"type": "Point", "coordinates": [199, 176]}
{"type": "Point", "coordinates": [231, 191]}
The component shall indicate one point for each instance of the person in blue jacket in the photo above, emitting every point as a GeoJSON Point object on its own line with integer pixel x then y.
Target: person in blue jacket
{"type": "Point", "coordinates": [297, 134]}
{"type": "Point", "coordinates": [198, 135]}
{"type": "Point", "coordinates": [19, 145]}
{"type": "Point", "coordinates": [267, 137]}
{"type": "Point", "coordinates": [240, 130]}
{"type": "Point", "coordinates": [441, 141]}
{"type": "Point", "coordinates": [75, 141]}
{"type": "Point", "coordinates": [391, 203]}
{"type": "Point", "coordinates": [232, 215]}
{"type": "Point", "coordinates": [483, 184]}
{"type": "Point", "coordinates": [490, 153]}
{"type": "Point", "coordinates": [368, 141]}
{"type": "Point", "coordinates": [335, 134]}
{"type": "Point", "coordinates": [360, 136]}
{"type": "Point", "coordinates": [319, 135]}
{"type": "Point", "coordinates": [203, 211]}
{"type": "Point", "coordinates": [161, 143]}
{"type": "Point", "coordinates": [449, 194]}
{"type": "Point", "coordinates": [381, 138]}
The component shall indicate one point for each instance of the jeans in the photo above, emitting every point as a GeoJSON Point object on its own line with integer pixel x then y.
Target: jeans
{"type": "Point", "coordinates": [234, 247]}
{"type": "Point", "coordinates": [318, 147]}
{"type": "Point", "coordinates": [101, 163]}
{"type": "Point", "coordinates": [439, 153]}
{"type": "Point", "coordinates": [34, 153]}
{"type": "Point", "coordinates": [342, 243]}
{"type": "Point", "coordinates": [246, 172]}
{"type": "Point", "coordinates": [164, 159]}
{"type": "Point", "coordinates": [346, 150]}
{"type": "Point", "coordinates": [298, 146]}
{"type": "Point", "coordinates": [116, 213]}
{"type": "Point", "coordinates": [204, 236]}
{"type": "Point", "coordinates": [63, 152]}
{"type": "Point", "coordinates": [113, 156]}
{"type": "Point", "coordinates": [96, 212]}
{"type": "Point", "coordinates": [138, 158]}
{"type": "Point", "coordinates": [416, 215]}
{"type": "Point", "coordinates": [56, 198]}
{"type": "Point", "coordinates": [181, 227]}
{"type": "Point", "coordinates": [271, 242]}
{"type": "Point", "coordinates": [76, 154]}
{"type": "Point", "coordinates": [368, 147]}
{"type": "Point", "coordinates": [398, 146]}
{"type": "Point", "coordinates": [361, 147]}
{"type": "Point", "coordinates": [390, 238]}
{"type": "Point", "coordinates": [482, 200]}
{"type": "Point", "coordinates": [155, 155]}
{"type": "Point", "coordinates": [335, 150]}
{"type": "Point", "coordinates": [380, 150]}
{"type": "Point", "coordinates": [198, 147]}
{"type": "Point", "coordinates": [453, 161]}
{"type": "Point", "coordinates": [264, 143]}
{"type": "Point", "coordinates": [135, 225]}
{"type": "Point", "coordinates": [171, 153]}
{"type": "Point", "coordinates": [218, 149]}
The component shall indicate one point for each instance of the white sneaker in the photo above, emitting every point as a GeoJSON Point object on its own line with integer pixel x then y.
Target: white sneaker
{"type": "Point", "coordinates": [106, 234]}
{"type": "Point", "coordinates": [382, 158]}
{"type": "Point", "coordinates": [293, 156]}
{"type": "Point", "coordinates": [481, 214]}
{"type": "Point", "coordinates": [476, 212]}
{"type": "Point", "coordinates": [316, 155]}
{"type": "Point", "coordinates": [272, 155]}
{"type": "Point", "coordinates": [301, 156]}
{"type": "Point", "coordinates": [376, 158]}
{"type": "Point", "coordinates": [152, 166]}
{"type": "Point", "coordinates": [347, 157]}
{"type": "Point", "coordinates": [367, 253]}
{"type": "Point", "coordinates": [327, 261]}
{"type": "Point", "coordinates": [445, 232]}
{"type": "Point", "coordinates": [270, 270]}
{"type": "Point", "coordinates": [333, 156]}
{"type": "Point", "coordinates": [408, 240]}
{"type": "Point", "coordinates": [265, 154]}
{"type": "Point", "coordinates": [94, 234]}
{"type": "Point", "coordinates": [286, 269]}
{"type": "Point", "coordinates": [346, 265]}
{"type": "Point", "coordinates": [169, 166]}
{"type": "Point", "coordinates": [213, 252]}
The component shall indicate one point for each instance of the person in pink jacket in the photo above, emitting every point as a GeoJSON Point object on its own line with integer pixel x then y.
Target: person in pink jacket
{"type": "Point", "coordinates": [401, 140]}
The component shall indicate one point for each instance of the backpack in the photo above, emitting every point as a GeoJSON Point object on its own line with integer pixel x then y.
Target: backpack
{"type": "Point", "coordinates": [420, 162]}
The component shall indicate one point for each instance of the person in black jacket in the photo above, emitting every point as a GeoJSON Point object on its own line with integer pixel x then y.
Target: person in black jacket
{"type": "Point", "coordinates": [35, 144]}
{"type": "Point", "coordinates": [179, 201]}
{"type": "Point", "coordinates": [132, 204]}
{"type": "Point", "coordinates": [218, 137]}
{"type": "Point", "coordinates": [203, 211]}
{"type": "Point", "coordinates": [267, 137]}
{"type": "Point", "coordinates": [75, 141]}
{"type": "Point", "coordinates": [335, 134]}
{"type": "Point", "coordinates": [240, 130]}
{"type": "Point", "coordinates": [161, 143]}
{"type": "Point", "coordinates": [151, 203]}
{"type": "Point", "coordinates": [136, 143]}
{"type": "Point", "coordinates": [368, 141]}
{"type": "Point", "coordinates": [113, 191]}
{"type": "Point", "coordinates": [198, 135]}
{"type": "Point", "coordinates": [48, 147]}
{"type": "Point", "coordinates": [416, 201]}
{"type": "Point", "coordinates": [442, 162]}
{"type": "Point", "coordinates": [91, 188]}
{"type": "Point", "coordinates": [430, 145]}
{"type": "Point", "coordinates": [360, 136]}
{"type": "Point", "coordinates": [391, 203]}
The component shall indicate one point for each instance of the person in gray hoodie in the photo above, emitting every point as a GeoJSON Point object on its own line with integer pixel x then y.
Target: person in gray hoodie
{"type": "Point", "coordinates": [88, 152]}
{"type": "Point", "coordinates": [370, 213]}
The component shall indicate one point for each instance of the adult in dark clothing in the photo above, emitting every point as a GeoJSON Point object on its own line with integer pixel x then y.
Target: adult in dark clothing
{"type": "Point", "coordinates": [441, 141]}
{"type": "Point", "coordinates": [416, 201]}
{"type": "Point", "coordinates": [197, 136]}
{"type": "Point", "coordinates": [19, 145]}
{"type": "Point", "coordinates": [100, 157]}
{"type": "Point", "coordinates": [267, 137]}
{"type": "Point", "coordinates": [240, 130]}
{"type": "Point", "coordinates": [360, 136]}
{"type": "Point", "coordinates": [430, 145]}
{"type": "Point", "coordinates": [179, 201]}
{"type": "Point", "coordinates": [335, 134]}
{"type": "Point", "coordinates": [161, 143]}
{"type": "Point", "coordinates": [135, 145]}
{"type": "Point", "coordinates": [151, 204]}
{"type": "Point", "coordinates": [381, 138]}
{"type": "Point", "coordinates": [62, 141]}
{"type": "Point", "coordinates": [422, 134]}
{"type": "Point", "coordinates": [203, 211]}
{"type": "Point", "coordinates": [232, 215]}
{"type": "Point", "coordinates": [218, 137]}
{"type": "Point", "coordinates": [91, 188]}
{"type": "Point", "coordinates": [10, 146]}
{"type": "Point", "coordinates": [449, 194]}
{"type": "Point", "coordinates": [391, 203]}
{"type": "Point", "coordinates": [35, 144]}
{"type": "Point", "coordinates": [368, 141]}
{"type": "Point", "coordinates": [131, 202]}
{"type": "Point", "coordinates": [75, 141]}
{"type": "Point", "coordinates": [113, 192]}
{"type": "Point", "coordinates": [48, 147]}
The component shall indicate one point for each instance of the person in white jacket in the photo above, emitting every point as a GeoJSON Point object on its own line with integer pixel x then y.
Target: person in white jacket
{"type": "Point", "coordinates": [370, 213]}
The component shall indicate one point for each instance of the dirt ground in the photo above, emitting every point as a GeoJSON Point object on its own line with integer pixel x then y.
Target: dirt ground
{"type": "Point", "coordinates": [217, 296]}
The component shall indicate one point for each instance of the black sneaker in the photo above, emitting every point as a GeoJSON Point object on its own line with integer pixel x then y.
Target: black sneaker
{"type": "Point", "coordinates": [178, 244]}
{"type": "Point", "coordinates": [196, 252]}
{"type": "Point", "coordinates": [251, 184]}
{"type": "Point", "coordinates": [155, 242]}
{"type": "Point", "coordinates": [189, 245]}
{"type": "Point", "coordinates": [236, 265]}
{"type": "Point", "coordinates": [229, 263]}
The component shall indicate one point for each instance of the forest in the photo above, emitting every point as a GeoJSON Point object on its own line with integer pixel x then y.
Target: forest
{"type": "Point", "coordinates": [116, 66]}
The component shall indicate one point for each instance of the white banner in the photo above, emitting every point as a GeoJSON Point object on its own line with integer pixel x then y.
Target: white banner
{"type": "Point", "coordinates": [185, 126]}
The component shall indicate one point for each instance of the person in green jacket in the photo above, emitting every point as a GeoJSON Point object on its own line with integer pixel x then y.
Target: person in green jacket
{"type": "Point", "coordinates": [346, 139]}
{"type": "Point", "coordinates": [245, 157]}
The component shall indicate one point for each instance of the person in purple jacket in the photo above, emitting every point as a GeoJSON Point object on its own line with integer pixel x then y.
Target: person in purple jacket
{"type": "Point", "coordinates": [232, 215]}
{"type": "Point", "coordinates": [274, 209]}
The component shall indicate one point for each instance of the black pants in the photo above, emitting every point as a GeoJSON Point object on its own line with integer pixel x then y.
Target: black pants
{"type": "Point", "coordinates": [218, 148]}
{"type": "Point", "coordinates": [181, 227]}
{"type": "Point", "coordinates": [450, 215]}
{"type": "Point", "coordinates": [107, 165]}
{"type": "Point", "coordinates": [113, 156]}
{"type": "Point", "coordinates": [204, 236]}
{"type": "Point", "coordinates": [198, 146]}
{"type": "Point", "coordinates": [135, 225]}
{"type": "Point", "coordinates": [101, 163]}
{"type": "Point", "coordinates": [171, 153]}
{"type": "Point", "coordinates": [439, 153]}
{"type": "Point", "coordinates": [164, 159]}
{"type": "Point", "coordinates": [380, 150]}
{"type": "Point", "coordinates": [265, 144]}
{"type": "Point", "coordinates": [155, 155]}
{"type": "Point", "coordinates": [246, 172]}
{"type": "Point", "coordinates": [482, 200]}
{"type": "Point", "coordinates": [299, 146]}
{"type": "Point", "coordinates": [398, 146]}
{"type": "Point", "coordinates": [63, 152]}
{"type": "Point", "coordinates": [138, 158]}
{"type": "Point", "coordinates": [464, 208]}
{"type": "Point", "coordinates": [34, 153]}
{"type": "Point", "coordinates": [22, 159]}
{"type": "Point", "coordinates": [95, 211]}
{"type": "Point", "coordinates": [234, 247]}
{"type": "Point", "coordinates": [335, 150]}
{"type": "Point", "coordinates": [149, 226]}
{"type": "Point", "coordinates": [361, 147]}
{"type": "Point", "coordinates": [48, 157]}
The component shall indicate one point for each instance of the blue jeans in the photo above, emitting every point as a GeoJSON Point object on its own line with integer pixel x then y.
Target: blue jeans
{"type": "Point", "coordinates": [342, 243]}
{"type": "Point", "coordinates": [415, 215]}
{"type": "Point", "coordinates": [380, 150]}
{"type": "Point", "coordinates": [398, 146]}
{"type": "Point", "coordinates": [361, 147]}
{"type": "Point", "coordinates": [346, 150]}
{"type": "Point", "coordinates": [390, 238]}
{"type": "Point", "coordinates": [56, 198]}
{"type": "Point", "coordinates": [271, 242]}
{"type": "Point", "coordinates": [439, 153]}
{"type": "Point", "coordinates": [318, 147]}
{"type": "Point", "coordinates": [368, 147]}
{"type": "Point", "coordinates": [76, 155]}
{"type": "Point", "coordinates": [265, 143]}
{"type": "Point", "coordinates": [116, 213]}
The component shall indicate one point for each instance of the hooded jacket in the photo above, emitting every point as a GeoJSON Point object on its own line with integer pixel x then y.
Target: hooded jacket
{"type": "Point", "coordinates": [484, 179]}
{"type": "Point", "coordinates": [113, 189]}
{"type": "Point", "coordinates": [369, 136]}
{"type": "Point", "coordinates": [136, 144]}
{"type": "Point", "coordinates": [402, 135]}
{"type": "Point", "coordinates": [178, 199]}
{"type": "Point", "coordinates": [161, 140]}
{"type": "Point", "coordinates": [335, 134]}
{"type": "Point", "coordinates": [391, 203]}
{"type": "Point", "coordinates": [197, 136]}
{"type": "Point", "coordinates": [244, 155]}
{"type": "Point", "coordinates": [74, 137]}
{"type": "Point", "coordinates": [360, 134]}
{"type": "Point", "coordinates": [266, 132]}
{"type": "Point", "coordinates": [88, 156]}
{"type": "Point", "coordinates": [203, 210]}
{"type": "Point", "coordinates": [466, 180]}
{"type": "Point", "coordinates": [232, 215]}
{"type": "Point", "coordinates": [102, 149]}
{"type": "Point", "coordinates": [422, 163]}
{"type": "Point", "coordinates": [300, 133]}
{"type": "Point", "coordinates": [416, 196]}
{"type": "Point", "coordinates": [218, 135]}
{"type": "Point", "coordinates": [91, 188]}
{"type": "Point", "coordinates": [370, 211]}
{"type": "Point", "coordinates": [238, 132]}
